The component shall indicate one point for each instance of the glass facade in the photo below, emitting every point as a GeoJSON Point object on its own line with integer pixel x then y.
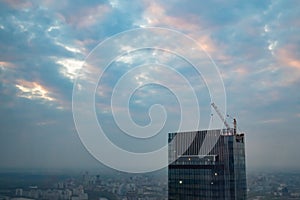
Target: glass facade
{"type": "Point", "coordinates": [219, 175]}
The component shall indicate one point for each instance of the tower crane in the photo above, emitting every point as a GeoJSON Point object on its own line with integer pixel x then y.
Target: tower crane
{"type": "Point", "coordinates": [223, 119]}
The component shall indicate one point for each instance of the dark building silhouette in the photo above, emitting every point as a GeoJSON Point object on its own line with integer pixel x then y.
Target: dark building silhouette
{"type": "Point", "coordinates": [220, 174]}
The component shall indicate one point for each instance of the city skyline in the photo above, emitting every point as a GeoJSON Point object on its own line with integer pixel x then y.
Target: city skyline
{"type": "Point", "coordinates": [255, 46]}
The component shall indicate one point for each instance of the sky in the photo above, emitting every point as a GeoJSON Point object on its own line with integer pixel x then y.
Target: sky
{"type": "Point", "coordinates": [46, 44]}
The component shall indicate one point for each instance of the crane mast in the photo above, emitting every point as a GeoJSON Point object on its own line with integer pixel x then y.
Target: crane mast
{"type": "Point", "coordinates": [220, 115]}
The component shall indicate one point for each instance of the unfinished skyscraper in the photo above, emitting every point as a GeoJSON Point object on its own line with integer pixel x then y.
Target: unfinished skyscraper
{"type": "Point", "coordinates": [218, 174]}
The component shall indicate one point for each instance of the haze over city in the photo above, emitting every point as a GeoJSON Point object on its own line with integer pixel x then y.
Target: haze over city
{"type": "Point", "coordinates": [254, 44]}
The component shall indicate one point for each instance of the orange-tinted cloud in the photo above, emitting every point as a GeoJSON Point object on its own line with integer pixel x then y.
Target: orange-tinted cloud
{"type": "Point", "coordinates": [33, 90]}
{"type": "Point", "coordinates": [155, 15]}
{"type": "Point", "coordinates": [19, 4]}
{"type": "Point", "coordinates": [5, 65]}
{"type": "Point", "coordinates": [287, 56]}
{"type": "Point", "coordinates": [87, 17]}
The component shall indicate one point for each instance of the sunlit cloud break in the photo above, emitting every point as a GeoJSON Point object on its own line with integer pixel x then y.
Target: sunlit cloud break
{"type": "Point", "coordinates": [33, 90]}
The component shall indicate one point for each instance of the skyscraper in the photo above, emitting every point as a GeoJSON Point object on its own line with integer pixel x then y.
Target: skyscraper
{"type": "Point", "coordinates": [220, 174]}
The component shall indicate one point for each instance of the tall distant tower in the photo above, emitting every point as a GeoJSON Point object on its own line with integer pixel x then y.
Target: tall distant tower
{"type": "Point", "coordinates": [220, 174]}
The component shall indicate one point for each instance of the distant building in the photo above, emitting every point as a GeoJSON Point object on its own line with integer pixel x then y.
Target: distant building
{"type": "Point", "coordinates": [19, 192]}
{"type": "Point", "coordinates": [5, 197]}
{"type": "Point", "coordinates": [219, 175]}
{"type": "Point", "coordinates": [132, 195]}
{"type": "Point", "coordinates": [79, 194]}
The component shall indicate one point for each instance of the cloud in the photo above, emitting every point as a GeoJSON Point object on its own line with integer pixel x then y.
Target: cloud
{"type": "Point", "coordinates": [69, 48]}
{"type": "Point", "coordinates": [156, 15]}
{"type": "Point", "coordinates": [43, 45]}
{"type": "Point", "coordinates": [288, 56]}
{"type": "Point", "coordinates": [69, 67]}
{"type": "Point", "coordinates": [87, 16]}
{"type": "Point", "coordinates": [19, 4]}
{"type": "Point", "coordinates": [6, 65]}
{"type": "Point", "coordinates": [33, 90]}
{"type": "Point", "coordinates": [271, 121]}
